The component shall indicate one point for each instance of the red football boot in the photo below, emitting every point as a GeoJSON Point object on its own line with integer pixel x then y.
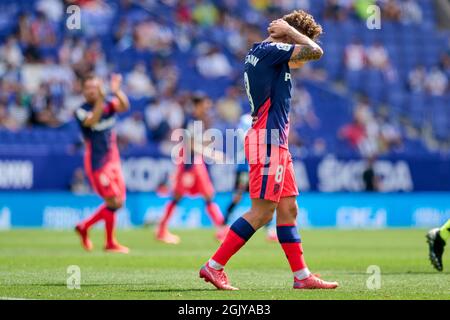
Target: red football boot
{"type": "Point", "coordinates": [85, 241]}
{"type": "Point", "coordinates": [217, 277]}
{"type": "Point", "coordinates": [314, 282]}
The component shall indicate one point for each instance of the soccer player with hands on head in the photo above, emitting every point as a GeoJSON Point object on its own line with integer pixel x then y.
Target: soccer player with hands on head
{"type": "Point", "coordinates": [267, 77]}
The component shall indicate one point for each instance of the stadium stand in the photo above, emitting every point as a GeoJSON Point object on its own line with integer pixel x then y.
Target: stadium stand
{"type": "Point", "coordinates": [374, 92]}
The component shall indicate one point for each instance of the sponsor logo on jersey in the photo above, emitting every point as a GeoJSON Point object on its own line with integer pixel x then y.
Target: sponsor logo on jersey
{"type": "Point", "coordinates": [283, 46]}
{"type": "Point", "coordinates": [287, 76]}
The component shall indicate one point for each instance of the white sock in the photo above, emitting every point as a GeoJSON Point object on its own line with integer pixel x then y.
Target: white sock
{"type": "Point", "coordinates": [302, 274]}
{"type": "Point", "coordinates": [215, 265]}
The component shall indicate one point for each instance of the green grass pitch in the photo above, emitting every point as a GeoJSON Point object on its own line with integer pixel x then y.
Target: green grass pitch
{"type": "Point", "coordinates": [33, 265]}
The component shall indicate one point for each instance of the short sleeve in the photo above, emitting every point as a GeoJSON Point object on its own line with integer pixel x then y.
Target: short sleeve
{"type": "Point", "coordinates": [278, 53]}
{"type": "Point", "coordinates": [81, 114]}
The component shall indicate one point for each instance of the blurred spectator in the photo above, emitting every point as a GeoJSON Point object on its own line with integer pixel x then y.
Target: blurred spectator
{"type": "Point", "coordinates": [260, 4]}
{"type": "Point", "coordinates": [354, 133]}
{"type": "Point", "coordinates": [72, 100]}
{"type": "Point", "coordinates": [302, 110]}
{"type": "Point", "coordinates": [436, 82]}
{"type": "Point", "coordinates": [42, 31]}
{"type": "Point", "coordinates": [166, 76]}
{"type": "Point", "coordinates": [416, 79]}
{"type": "Point", "coordinates": [10, 52]}
{"type": "Point", "coordinates": [97, 17]}
{"type": "Point", "coordinates": [153, 36]}
{"type": "Point", "coordinates": [391, 10]}
{"type": "Point", "coordinates": [411, 13]}
{"type": "Point", "coordinates": [363, 133]}
{"type": "Point", "coordinates": [57, 73]}
{"type": "Point", "coordinates": [390, 137]}
{"type": "Point", "coordinates": [123, 35]}
{"type": "Point", "coordinates": [378, 59]}
{"type": "Point", "coordinates": [138, 82]}
{"type": "Point", "coordinates": [46, 116]}
{"type": "Point", "coordinates": [288, 5]}
{"type": "Point", "coordinates": [132, 130]}
{"type": "Point", "coordinates": [183, 12]}
{"type": "Point", "coordinates": [337, 9]}
{"type": "Point", "coordinates": [19, 111]}
{"type": "Point", "coordinates": [445, 61]}
{"type": "Point", "coordinates": [53, 9]}
{"type": "Point", "coordinates": [228, 107]}
{"type": "Point", "coordinates": [213, 64]}
{"type": "Point", "coordinates": [24, 27]}
{"type": "Point", "coordinates": [79, 183]}
{"type": "Point", "coordinates": [370, 179]}
{"type": "Point", "coordinates": [77, 49]}
{"type": "Point", "coordinates": [377, 56]}
{"type": "Point", "coordinates": [371, 134]}
{"type": "Point", "coordinates": [355, 58]}
{"type": "Point", "coordinates": [205, 13]}
{"type": "Point", "coordinates": [361, 8]}
{"type": "Point", "coordinates": [6, 122]}
{"type": "Point", "coordinates": [163, 116]}
{"type": "Point", "coordinates": [319, 147]}
{"type": "Point", "coordinates": [364, 115]}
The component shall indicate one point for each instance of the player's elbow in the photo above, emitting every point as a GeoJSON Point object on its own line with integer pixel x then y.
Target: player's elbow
{"type": "Point", "coordinates": [318, 53]}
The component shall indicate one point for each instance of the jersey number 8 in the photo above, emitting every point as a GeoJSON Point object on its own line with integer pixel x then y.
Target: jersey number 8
{"type": "Point", "coordinates": [279, 174]}
{"type": "Point", "coordinates": [247, 88]}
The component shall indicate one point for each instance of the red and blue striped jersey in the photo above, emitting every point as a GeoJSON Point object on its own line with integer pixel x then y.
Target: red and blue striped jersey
{"type": "Point", "coordinates": [268, 84]}
{"type": "Point", "coordinates": [100, 139]}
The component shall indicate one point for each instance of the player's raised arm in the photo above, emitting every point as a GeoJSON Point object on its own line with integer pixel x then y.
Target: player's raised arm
{"type": "Point", "coordinates": [121, 103]}
{"type": "Point", "coordinates": [300, 29]}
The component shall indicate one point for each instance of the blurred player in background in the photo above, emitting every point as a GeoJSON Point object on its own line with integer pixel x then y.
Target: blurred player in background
{"type": "Point", "coordinates": [436, 239]}
{"type": "Point", "coordinates": [241, 184]}
{"type": "Point", "coordinates": [192, 177]}
{"type": "Point", "coordinates": [96, 118]}
{"type": "Point", "coordinates": [267, 80]}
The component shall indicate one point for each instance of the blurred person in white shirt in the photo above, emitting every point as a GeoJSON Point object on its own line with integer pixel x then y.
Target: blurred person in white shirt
{"type": "Point", "coordinates": [139, 83]}
{"type": "Point", "coordinates": [436, 82]}
{"type": "Point", "coordinates": [132, 130]}
{"type": "Point", "coordinates": [214, 64]}
{"type": "Point", "coordinates": [355, 58]}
